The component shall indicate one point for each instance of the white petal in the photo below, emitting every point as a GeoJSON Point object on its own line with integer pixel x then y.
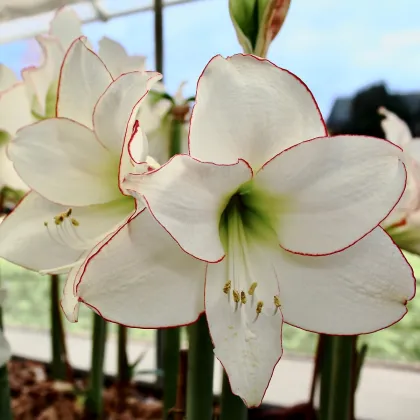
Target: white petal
{"type": "Point", "coordinates": [40, 79]}
{"type": "Point", "coordinates": [115, 112]}
{"type": "Point", "coordinates": [8, 175]}
{"type": "Point", "coordinates": [15, 109]}
{"type": "Point", "coordinates": [5, 350]}
{"type": "Point", "coordinates": [248, 347]}
{"type": "Point", "coordinates": [83, 79]}
{"type": "Point", "coordinates": [116, 58]}
{"type": "Point", "coordinates": [413, 149]}
{"type": "Point", "coordinates": [24, 238]}
{"type": "Point", "coordinates": [66, 27]}
{"type": "Point", "coordinates": [396, 130]}
{"type": "Point", "coordinates": [141, 278]}
{"type": "Point", "coordinates": [332, 191]}
{"type": "Point", "coordinates": [76, 169]}
{"type": "Point", "coordinates": [248, 108]}
{"type": "Point", "coordinates": [360, 290]}
{"type": "Point", "coordinates": [187, 197]}
{"type": "Point", "coordinates": [7, 77]}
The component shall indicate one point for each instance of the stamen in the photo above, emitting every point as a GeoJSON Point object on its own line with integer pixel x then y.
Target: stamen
{"type": "Point", "coordinates": [252, 288]}
{"type": "Point", "coordinates": [277, 301]}
{"type": "Point", "coordinates": [226, 287]}
{"type": "Point", "coordinates": [65, 232]}
{"type": "Point", "coordinates": [243, 297]}
{"type": "Point", "coordinates": [58, 219]}
{"type": "Point", "coordinates": [236, 296]}
{"type": "Point", "coordinates": [258, 310]}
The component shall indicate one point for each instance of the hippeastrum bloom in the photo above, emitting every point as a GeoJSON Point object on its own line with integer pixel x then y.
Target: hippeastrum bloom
{"type": "Point", "coordinates": [5, 351]}
{"type": "Point", "coordinates": [403, 224]}
{"type": "Point", "coordinates": [284, 218]}
{"type": "Point", "coordinates": [74, 165]}
{"type": "Point", "coordinates": [14, 113]}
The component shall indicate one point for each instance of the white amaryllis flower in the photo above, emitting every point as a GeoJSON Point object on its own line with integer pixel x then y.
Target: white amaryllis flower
{"type": "Point", "coordinates": [284, 218]}
{"type": "Point", "coordinates": [74, 164]}
{"type": "Point", "coordinates": [5, 350]}
{"type": "Point", "coordinates": [14, 113]}
{"type": "Point", "coordinates": [403, 224]}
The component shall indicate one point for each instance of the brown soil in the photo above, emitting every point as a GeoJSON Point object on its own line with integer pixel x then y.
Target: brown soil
{"type": "Point", "coordinates": [35, 397]}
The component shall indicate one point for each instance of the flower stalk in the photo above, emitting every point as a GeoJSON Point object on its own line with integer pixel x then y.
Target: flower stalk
{"type": "Point", "coordinates": [58, 345]}
{"type": "Point", "coordinates": [231, 406]}
{"type": "Point", "coordinates": [124, 371]}
{"type": "Point", "coordinates": [200, 372]}
{"type": "Point", "coordinates": [170, 343]}
{"type": "Point", "coordinates": [338, 376]}
{"type": "Point", "coordinates": [5, 400]}
{"type": "Point", "coordinates": [94, 399]}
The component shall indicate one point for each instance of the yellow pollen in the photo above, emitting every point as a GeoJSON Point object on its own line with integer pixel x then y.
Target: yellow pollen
{"type": "Point", "coordinates": [58, 219]}
{"type": "Point", "coordinates": [226, 287]}
{"type": "Point", "coordinates": [74, 222]}
{"type": "Point", "coordinates": [277, 301]}
{"type": "Point", "coordinates": [243, 297]}
{"type": "Point", "coordinates": [236, 296]}
{"type": "Point", "coordinates": [260, 305]}
{"type": "Point", "coordinates": [252, 288]}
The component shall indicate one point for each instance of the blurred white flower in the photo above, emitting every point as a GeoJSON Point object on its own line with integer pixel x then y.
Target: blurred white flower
{"type": "Point", "coordinates": [403, 224]}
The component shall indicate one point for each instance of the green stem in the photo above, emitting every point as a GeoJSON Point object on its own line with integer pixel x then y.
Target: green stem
{"type": "Point", "coordinates": [158, 12]}
{"type": "Point", "coordinates": [170, 344]}
{"type": "Point", "coordinates": [338, 378]}
{"type": "Point", "coordinates": [175, 143]}
{"type": "Point", "coordinates": [59, 353]}
{"type": "Point", "coordinates": [200, 372]}
{"type": "Point", "coordinates": [94, 403]}
{"type": "Point", "coordinates": [5, 400]}
{"type": "Point", "coordinates": [123, 368]}
{"type": "Point", "coordinates": [231, 406]}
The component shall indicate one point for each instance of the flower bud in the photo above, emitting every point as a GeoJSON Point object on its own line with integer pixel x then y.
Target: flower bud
{"type": "Point", "coordinates": [257, 22]}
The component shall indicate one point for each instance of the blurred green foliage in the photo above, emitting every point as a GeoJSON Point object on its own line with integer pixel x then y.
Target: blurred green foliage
{"type": "Point", "coordinates": [27, 306]}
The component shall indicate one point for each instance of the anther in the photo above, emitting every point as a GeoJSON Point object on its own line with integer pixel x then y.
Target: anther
{"type": "Point", "coordinates": [243, 297]}
{"type": "Point", "coordinates": [46, 224]}
{"type": "Point", "coordinates": [226, 287]}
{"type": "Point", "coordinates": [68, 212]}
{"type": "Point", "coordinates": [260, 305]}
{"type": "Point", "coordinates": [235, 296]}
{"type": "Point", "coordinates": [252, 288]}
{"type": "Point", "coordinates": [58, 219]}
{"type": "Point", "coordinates": [277, 301]}
{"type": "Point", "coordinates": [74, 222]}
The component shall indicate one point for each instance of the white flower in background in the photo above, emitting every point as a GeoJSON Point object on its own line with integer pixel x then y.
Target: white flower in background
{"type": "Point", "coordinates": [165, 116]}
{"type": "Point", "coordinates": [14, 113]}
{"type": "Point", "coordinates": [34, 98]}
{"type": "Point", "coordinates": [284, 218]}
{"type": "Point", "coordinates": [41, 81]}
{"type": "Point", "coordinates": [5, 351]}
{"type": "Point", "coordinates": [403, 224]}
{"type": "Point", "coordinates": [74, 165]}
